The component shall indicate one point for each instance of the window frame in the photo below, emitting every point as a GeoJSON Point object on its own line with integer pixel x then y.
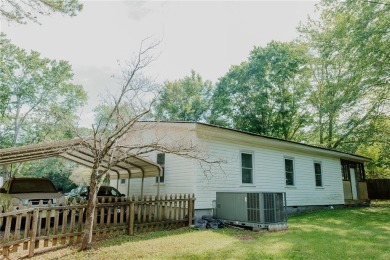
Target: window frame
{"type": "Point", "coordinates": [122, 181]}
{"type": "Point", "coordinates": [162, 165]}
{"type": "Point", "coordinates": [321, 174]}
{"type": "Point", "coordinates": [293, 171]}
{"type": "Point", "coordinates": [252, 154]}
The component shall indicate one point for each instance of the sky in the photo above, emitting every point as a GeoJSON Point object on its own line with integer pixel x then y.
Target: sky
{"type": "Point", "coordinates": [206, 36]}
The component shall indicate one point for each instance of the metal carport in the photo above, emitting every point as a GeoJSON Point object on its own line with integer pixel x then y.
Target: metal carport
{"type": "Point", "coordinates": [76, 151]}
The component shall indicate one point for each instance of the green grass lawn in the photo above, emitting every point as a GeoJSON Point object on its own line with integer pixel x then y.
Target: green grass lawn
{"type": "Point", "coordinates": [355, 233]}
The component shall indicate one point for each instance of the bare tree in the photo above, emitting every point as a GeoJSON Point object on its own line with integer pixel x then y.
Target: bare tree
{"type": "Point", "coordinates": [116, 133]}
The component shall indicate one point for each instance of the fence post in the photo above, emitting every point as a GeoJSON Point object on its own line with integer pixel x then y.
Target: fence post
{"type": "Point", "coordinates": [131, 220]}
{"type": "Point", "coordinates": [34, 232]}
{"type": "Point", "coordinates": [190, 209]}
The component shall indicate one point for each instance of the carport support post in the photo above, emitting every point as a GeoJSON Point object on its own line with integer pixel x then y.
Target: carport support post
{"type": "Point", "coordinates": [117, 180]}
{"type": "Point", "coordinates": [142, 185]}
{"type": "Point", "coordinates": [128, 184]}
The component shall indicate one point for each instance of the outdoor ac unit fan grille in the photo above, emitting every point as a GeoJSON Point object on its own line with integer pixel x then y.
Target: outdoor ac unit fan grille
{"type": "Point", "coordinates": [253, 207]}
{"type": "Point", "coordinates": [269, 207]}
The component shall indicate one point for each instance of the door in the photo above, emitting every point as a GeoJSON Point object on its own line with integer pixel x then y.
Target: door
{"type": "Point", "coordinates": [352, 173]}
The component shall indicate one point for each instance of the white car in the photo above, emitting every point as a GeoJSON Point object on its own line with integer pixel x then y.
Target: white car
{"type": "Point", "coordinates": [22, 193]}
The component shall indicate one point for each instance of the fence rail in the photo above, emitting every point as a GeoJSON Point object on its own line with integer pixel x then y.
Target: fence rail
{"type": "Point", "coordinates": [28, 230]}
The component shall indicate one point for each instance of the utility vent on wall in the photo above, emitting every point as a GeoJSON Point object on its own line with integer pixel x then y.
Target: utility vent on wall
{"type": "Point", "coordinates": [255, 209]}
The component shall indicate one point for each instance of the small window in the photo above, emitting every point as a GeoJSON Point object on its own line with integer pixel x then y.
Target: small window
{"type": "Point", "coordinates": [318, 174]}
{"type": "Point", "coordinates": [247, 168]}
{"type": "Point", "coordinates": [289, 168]}
{"type": "Point", "coordinates": [161, 162]}
{"type": "Point", "coordinates": [123, 181]}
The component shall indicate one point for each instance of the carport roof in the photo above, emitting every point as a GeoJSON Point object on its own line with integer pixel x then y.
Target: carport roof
{"type": "Point", "coordinates": [74, 150]}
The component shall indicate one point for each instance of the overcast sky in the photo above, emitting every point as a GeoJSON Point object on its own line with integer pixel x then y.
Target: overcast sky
{"type": "Point", "coordinates": [208, 37]}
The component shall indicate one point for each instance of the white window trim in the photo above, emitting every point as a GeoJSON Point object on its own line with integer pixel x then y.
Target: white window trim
{"type": "Point", "coordinates": [294, 171]}
{"type": "Point", "coordinates": [122, 183]}
{"type": "Point", "coordinates": [322, 175]}
{"type": "Point", "coordinates": [252, 184]}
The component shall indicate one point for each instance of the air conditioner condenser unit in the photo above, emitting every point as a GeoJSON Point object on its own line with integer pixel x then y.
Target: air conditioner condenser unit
{"type": "Point", "coordinates": [257, 210]}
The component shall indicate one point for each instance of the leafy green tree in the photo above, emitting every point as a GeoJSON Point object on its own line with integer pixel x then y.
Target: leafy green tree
{"type": "Point", "coordinates": [55, 169]}
{"type": "Point", "coordinates": [28, 10]}
{"type": "Point", "coordinates": [187, 99]}
{"type": "Point", "coordinates": [350, 63]}
{"type": "Point", "coordinates": [265, 94]}
{"type": "Point", "coordinates": [36, 93]}
{"type": "Point", "coordinates": [37, 97]}
{"type": "Point", "coordinates": [377, 147]}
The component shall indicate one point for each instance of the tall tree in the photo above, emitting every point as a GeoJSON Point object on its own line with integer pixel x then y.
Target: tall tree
{"type": "Point", "coordinates": [36, 94]}
{"type": "Point", "coordinates": [187, 99]}
{"type": "Point", "coordinates": [350, 83]}
{"type": "Point", "coordinates": [21, 11]}
{"type": "Point", "coordinates": [264, 94]}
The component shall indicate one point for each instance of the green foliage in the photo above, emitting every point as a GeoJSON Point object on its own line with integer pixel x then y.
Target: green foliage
{"type": "Point", "coordinates": [55, 169]}
{"type": "Point", "coordinates": [37, 96]}
{"type": "Point", "coordinates": [266, 94]}
{"type": "Point", "coordinates": [187, 99]}
{"type": "Point", "coordinates": [350, 79]}
{"type": "Point", "coordinates": [377, 148]}
{"type": "Point", "coordinates": [23, 11]}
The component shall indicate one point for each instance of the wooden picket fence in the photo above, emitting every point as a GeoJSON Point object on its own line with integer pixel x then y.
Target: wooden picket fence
{"type": "Point", "coordinates": [26, 232]}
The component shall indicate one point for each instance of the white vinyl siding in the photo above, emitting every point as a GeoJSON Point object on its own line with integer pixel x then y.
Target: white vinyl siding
{"type": "Point", "coordinates": [268, 173]}
{"type": "Point", "coordinates": [269, 176]}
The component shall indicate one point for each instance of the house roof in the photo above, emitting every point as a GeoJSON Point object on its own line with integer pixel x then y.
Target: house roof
{"type": "Point", "coordinates": [273, 141]}
{"type": "Point", "coordinates": [76, 151]}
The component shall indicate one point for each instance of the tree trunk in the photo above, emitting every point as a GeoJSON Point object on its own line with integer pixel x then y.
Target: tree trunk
{"type": "Point", "coordinates": [93, 190]}
{"type": "Point", "coordinates": [330, 131]}
{"type": "Point", "coordinates": [321, 126]}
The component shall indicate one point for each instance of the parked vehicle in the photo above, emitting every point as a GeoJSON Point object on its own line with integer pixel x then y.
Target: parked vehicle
{"type": "Point", "coordinates": [21, 193]}
{"type": "Point", "coordinates": [81, 194]}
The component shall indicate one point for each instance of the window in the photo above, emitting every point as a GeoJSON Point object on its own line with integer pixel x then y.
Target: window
{"type": "Point", "coordinates": [246, 168]}
{"type": "Point", "coordinates": [161, 162]}
{"type": "Point", "coordinates": [123, 181]}
{"type": "Point", "coordinates": [359, 169]}
{"type": "Point", "coordinates": [289, 168]}
{"type": "Point", "coordinates": [318, 174]}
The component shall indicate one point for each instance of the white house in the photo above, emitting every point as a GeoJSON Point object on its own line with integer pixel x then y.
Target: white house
{"type": "Point", "coordinates": [310, 176]}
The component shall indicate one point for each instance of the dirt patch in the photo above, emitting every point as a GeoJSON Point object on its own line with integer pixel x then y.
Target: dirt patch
{"type": "Point", "coordinates": [245, 237]}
